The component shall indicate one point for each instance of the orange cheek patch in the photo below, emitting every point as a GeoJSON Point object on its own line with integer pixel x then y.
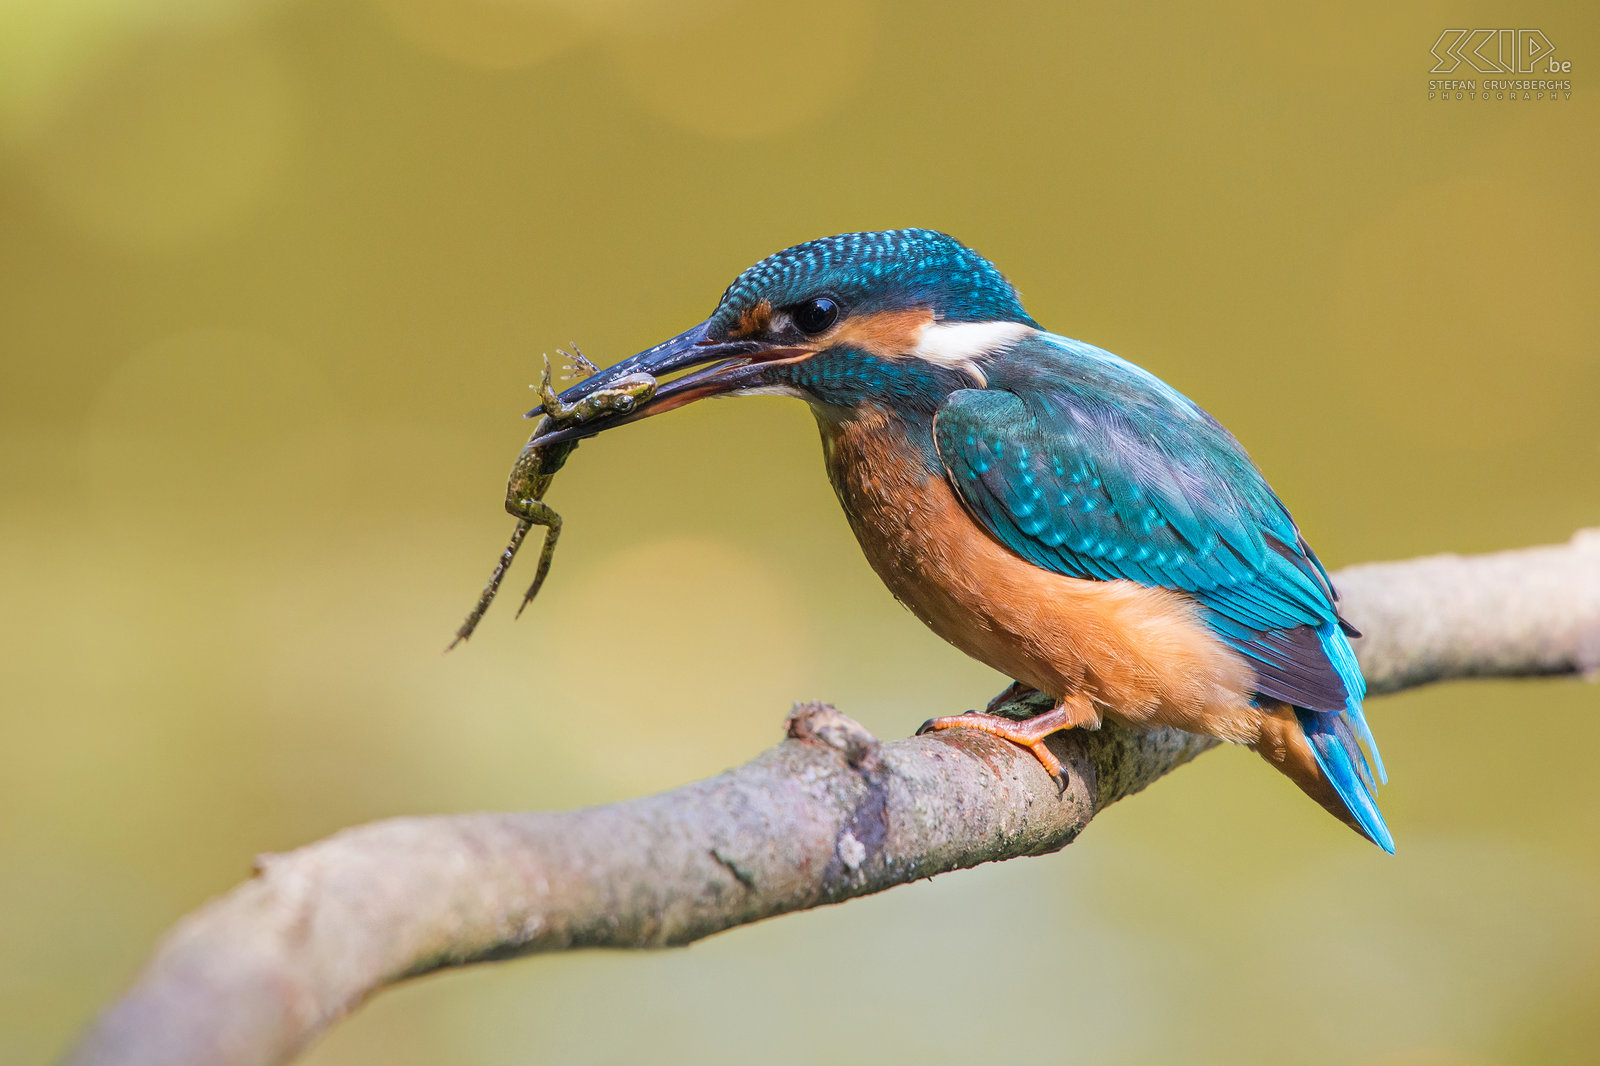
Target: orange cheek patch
{"type": "Point", "coordinates": [887, 334]}
{"type": "Point", "coordinates": [755, 321]}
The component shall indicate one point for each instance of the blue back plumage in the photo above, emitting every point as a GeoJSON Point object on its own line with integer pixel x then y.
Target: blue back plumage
{"type": "Point", "coordinates": [1085, 464]}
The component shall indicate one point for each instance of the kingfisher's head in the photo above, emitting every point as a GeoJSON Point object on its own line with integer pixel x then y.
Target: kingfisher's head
{"type": "Point", "coordinates": [896, 318]}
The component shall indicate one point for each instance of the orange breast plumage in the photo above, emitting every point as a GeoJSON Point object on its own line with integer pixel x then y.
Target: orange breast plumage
{"type": "Point", "coordinates": [1141, 654]}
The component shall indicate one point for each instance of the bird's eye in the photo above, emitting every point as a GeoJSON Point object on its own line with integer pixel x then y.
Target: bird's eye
{"type": "Point", "coordinates": [816, 315]}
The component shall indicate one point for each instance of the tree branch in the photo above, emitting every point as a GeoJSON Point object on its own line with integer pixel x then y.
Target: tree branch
{"type": "Point", "coordinates": [829, 814]}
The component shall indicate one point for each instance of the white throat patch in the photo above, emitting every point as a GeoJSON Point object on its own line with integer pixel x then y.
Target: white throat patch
{"type": "Point", "coordinates": [964, 345]}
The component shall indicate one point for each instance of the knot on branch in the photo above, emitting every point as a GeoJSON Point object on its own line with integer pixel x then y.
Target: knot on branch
{"type": "Point", "coordinates": [815, 722]}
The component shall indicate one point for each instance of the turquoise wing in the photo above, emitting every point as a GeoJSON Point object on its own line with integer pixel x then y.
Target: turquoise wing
{"type": "Point", "coordinates": [1084, 464]}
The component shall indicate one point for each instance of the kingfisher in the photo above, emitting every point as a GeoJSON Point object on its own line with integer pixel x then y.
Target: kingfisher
{"type": "Point", "coordinates": [1047, 507]}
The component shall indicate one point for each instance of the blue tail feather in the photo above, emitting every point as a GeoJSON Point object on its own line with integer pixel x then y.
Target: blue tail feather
{"type": "Point", "coordinates": [1333, 738]}
{"type": "Point", "coordinates": [1337, 647]}
{"type": "Point", "coordinates": [1333, 744]}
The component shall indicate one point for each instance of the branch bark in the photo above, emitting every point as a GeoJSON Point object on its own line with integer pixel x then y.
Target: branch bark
{"type": "Point", "coordinates": [829, 814]}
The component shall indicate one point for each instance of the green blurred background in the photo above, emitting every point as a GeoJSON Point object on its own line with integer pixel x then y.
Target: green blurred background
{"type": "Point", "coordinates": [276, 275]}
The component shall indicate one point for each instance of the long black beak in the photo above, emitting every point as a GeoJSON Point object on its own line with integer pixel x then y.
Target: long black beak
{"type": "Point", "coordinates": [716, 367]}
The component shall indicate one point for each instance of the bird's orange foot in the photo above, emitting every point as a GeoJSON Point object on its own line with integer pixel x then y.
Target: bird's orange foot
{"type": "Point", "coordinates": [1029, 733]}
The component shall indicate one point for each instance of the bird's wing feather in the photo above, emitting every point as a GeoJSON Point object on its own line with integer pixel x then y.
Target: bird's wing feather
{"type": "Point", "coordinates": [1085, 465]}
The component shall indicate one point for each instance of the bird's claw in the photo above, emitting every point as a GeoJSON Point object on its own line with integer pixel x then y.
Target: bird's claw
{"type": "Point", "coordinates": [933, 724]}
{"type": "Point", "coordinates": [1029, 734]}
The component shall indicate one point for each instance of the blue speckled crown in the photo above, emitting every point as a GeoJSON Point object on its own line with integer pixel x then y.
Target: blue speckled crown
{"type": "Point", "coordinates": [881, 270]}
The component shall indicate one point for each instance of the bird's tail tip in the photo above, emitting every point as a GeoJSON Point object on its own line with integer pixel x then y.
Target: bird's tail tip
{"type": "Point", "coordinates": [1339, 756]}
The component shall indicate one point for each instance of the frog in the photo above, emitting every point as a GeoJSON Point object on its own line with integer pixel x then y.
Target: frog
{"type": "Point", "coordinates": [536, 467]}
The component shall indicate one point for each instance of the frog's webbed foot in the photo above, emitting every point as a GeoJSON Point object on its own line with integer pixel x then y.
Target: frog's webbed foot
{"type": "Point", "coordinates": [578, 365]}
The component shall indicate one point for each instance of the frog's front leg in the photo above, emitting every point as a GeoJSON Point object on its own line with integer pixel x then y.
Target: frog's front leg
{"type": "Point", "coordinates": [539, 513]}
{"type": "Point", "coordinates": [550, 401]}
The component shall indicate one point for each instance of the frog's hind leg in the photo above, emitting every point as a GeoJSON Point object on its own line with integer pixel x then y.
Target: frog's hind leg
{"type": "Point", "coordinates": [486, 597]}
{"type": "Point", "coordinates": [539, 513]}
